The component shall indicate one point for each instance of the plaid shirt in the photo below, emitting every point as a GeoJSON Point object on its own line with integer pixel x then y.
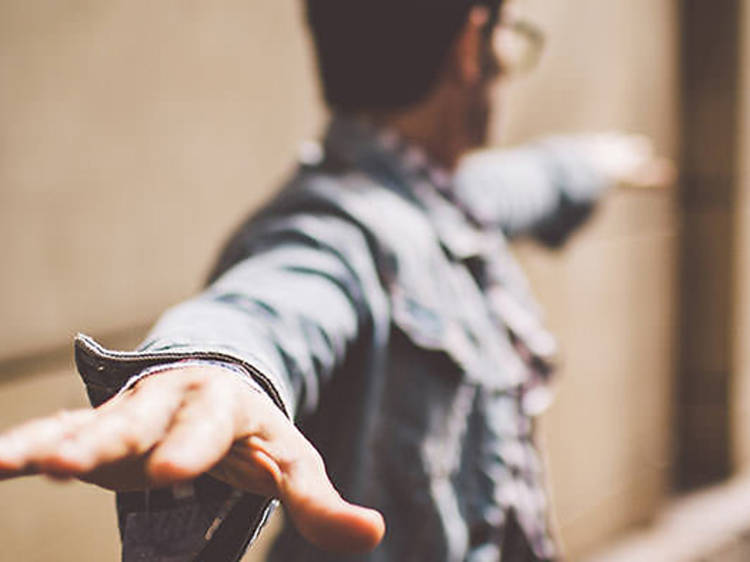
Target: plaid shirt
{"type": "Point", "coordinates": [376, 301]}
{"type": "Point", "coordinates": [510, 471]}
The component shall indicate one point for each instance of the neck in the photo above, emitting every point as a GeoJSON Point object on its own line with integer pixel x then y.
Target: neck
{"type": "Point", "coordinates": [437, 129]}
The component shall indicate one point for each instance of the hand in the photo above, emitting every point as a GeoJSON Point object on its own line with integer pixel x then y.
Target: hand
{"type": "Point", "coordinates": [627, 160]}
{"type": "Point", "coordinates": [176, 425]}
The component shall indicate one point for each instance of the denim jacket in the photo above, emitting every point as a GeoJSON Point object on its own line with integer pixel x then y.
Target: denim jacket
{"type": "Point", "coordinates": [382, 311]}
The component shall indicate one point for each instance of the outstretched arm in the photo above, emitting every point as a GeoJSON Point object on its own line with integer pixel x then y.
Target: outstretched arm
{"type": "Point", "coordinates": [547, 188]}
{"type": "Point", "coordinates": [284, 317]}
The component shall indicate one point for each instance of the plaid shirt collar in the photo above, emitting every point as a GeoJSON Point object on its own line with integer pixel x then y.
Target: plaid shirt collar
{"type": "Point", "coordinates": [409, 170]}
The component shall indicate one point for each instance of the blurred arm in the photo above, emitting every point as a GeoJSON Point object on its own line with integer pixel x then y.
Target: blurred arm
{"type": "Point", "coordinates": [548, 188]}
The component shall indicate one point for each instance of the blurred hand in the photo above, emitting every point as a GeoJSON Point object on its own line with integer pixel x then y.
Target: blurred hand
{"type": "Point", "coordinates": [627, 160]}
{"type": "Point", "coordinates": [178, 424]}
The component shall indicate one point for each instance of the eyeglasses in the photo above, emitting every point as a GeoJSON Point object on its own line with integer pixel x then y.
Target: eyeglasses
{"type": "Point", "coordinates": [518, 44]}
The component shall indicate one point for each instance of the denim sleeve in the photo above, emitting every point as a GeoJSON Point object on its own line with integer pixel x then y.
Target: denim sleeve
{"type": "Point", "coordinates": [545, 189]}
{"type": "Point", "coordinates": [292, 307]}
{"type": "Point", "coordinates": [287, 313]}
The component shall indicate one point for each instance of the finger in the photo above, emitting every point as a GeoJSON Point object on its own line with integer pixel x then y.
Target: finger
{"type": "Point", "coordinates": [202, 432]}
{"type": "Point", "coordinates": [656, 173]}
{"type": "Point", "coordinates": [318, 511]}
{"type": "Point", "coordinates": [123, 428]}
{"type": "Point", "coordinates": [124, 475]}
{"type": "Point", "coordinates": [22, 446]}
{"type": "Point", "coordinates": [242, 472]}
{"type": "Point", "coordinates": [616, 155]}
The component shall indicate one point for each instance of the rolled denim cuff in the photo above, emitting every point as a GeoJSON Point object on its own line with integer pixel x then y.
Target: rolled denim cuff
{"type": "Point", "coordinates": [106, 372]}
{"type": "Point", "coordinates": [205, 520]}
{"type": "Point", "coordinates": [237, 370]}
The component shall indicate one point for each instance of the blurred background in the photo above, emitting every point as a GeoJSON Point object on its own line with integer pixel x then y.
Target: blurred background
{"type": "Point", "coordinates": [135, 135]}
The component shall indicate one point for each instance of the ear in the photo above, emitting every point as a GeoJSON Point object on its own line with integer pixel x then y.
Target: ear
{"type": "Point", "coordinates": [467, 50]}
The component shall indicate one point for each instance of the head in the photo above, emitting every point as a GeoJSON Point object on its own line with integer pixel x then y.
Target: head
{"type": "Point", "coordinates": [421, 65]}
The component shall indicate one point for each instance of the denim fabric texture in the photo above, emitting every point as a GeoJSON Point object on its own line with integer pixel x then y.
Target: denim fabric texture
{"type": "Point", "coordinates": [376, 301]}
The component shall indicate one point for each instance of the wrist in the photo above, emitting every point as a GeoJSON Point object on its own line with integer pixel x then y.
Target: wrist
{"type": "Point", "coordinates": [198, 369]}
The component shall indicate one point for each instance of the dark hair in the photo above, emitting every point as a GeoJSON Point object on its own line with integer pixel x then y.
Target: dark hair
{"type": "Point", "coordinates": [384, 54]}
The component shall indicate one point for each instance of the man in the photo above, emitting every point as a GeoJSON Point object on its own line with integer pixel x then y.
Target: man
{"type": "Point", "coordinates": [370, 317]}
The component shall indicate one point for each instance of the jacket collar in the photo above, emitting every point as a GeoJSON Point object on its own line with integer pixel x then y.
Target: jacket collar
{"type": "Point", "coordinates": [405, 168]}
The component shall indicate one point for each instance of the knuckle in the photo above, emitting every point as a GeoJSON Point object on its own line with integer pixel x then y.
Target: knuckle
{"type": "Point", "coordinates": [129, 430]}
{"type": "Point", "coordinates": [64, 416]}
{"type": "Point", "coordinates": [133, 441]}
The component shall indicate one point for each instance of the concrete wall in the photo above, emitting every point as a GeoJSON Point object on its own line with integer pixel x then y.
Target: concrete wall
{"type": "Point", "coordinates": [134, 137]}
{"type": "Point", "coordinates": [741, 356]}
{"type": "Point", "coordinates": [610, 294]}
{"type": "Point", "coordinates": [710, 98]}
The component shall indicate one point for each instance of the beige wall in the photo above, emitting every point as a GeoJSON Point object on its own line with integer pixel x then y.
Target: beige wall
{"type": "Point", "coordinates": [741, 387]}
{"type": "Point", "coordinates": [133, 137]}
{"type": "Point", "coordinates": [610, 294]}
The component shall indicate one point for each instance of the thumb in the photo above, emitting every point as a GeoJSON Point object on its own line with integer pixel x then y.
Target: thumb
{"type": "Point", "coordinates": [271, 455]}
{"type": "Point", "coordinates": [299, 480]}
{"type": "Point", "coordinates": [318, 511]}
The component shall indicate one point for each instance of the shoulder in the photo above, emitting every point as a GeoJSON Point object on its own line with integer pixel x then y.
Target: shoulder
{"type": "Point", "coordinates": [348, 211]}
